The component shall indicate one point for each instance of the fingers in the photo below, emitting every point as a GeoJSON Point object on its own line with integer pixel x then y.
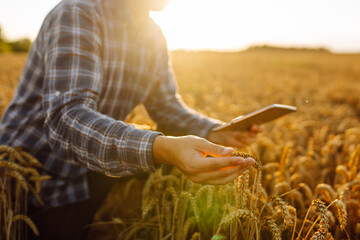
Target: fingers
{"type": "Point", "coordinates": [213, 164]}
{"type": "Point", "coordinates": [222, 176]}
{"type": "Point", "coordinates": [212, 149]}
{"type": "Point", "coordinates": [225, 180]}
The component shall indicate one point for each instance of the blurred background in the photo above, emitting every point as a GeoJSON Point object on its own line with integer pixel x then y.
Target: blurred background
{"type": "Point", "coordinates": [224, 25]}
{"type": "Point", "coordinates": [240, 56]}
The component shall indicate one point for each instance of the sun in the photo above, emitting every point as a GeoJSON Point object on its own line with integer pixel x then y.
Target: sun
{"type": "Point", "coordinates": [195, 24]}
{"type": "Point", "coordinates": [235, 24]}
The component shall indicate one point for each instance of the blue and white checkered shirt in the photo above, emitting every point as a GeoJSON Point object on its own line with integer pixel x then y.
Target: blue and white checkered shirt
{"type": "Point", "coordinates": [88, 68]}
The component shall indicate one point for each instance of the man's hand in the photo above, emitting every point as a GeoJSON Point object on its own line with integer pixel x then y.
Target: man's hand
{"type": "Point", "coordinates": [238, 139]}
{"type": "Point", "coordinates": [188, 154]}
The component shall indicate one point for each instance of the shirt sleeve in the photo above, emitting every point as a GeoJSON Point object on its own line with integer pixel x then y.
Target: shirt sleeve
{"type": "Point", "coordinates": [166, 107]}
{"type": "Point", "coordinates": [76, 131]}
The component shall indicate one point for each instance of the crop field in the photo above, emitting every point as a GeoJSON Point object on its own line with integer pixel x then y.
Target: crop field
{"type": "Point", "coordinates": [308, 184]}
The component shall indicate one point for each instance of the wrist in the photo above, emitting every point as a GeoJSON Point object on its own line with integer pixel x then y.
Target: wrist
{"type": "Point", "coordinates": [160, 149]}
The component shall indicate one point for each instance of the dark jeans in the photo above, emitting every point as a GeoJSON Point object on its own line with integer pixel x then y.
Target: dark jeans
{"type": "Point", "coordinates": [70, 221]}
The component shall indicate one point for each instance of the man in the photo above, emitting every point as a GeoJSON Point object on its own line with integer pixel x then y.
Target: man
{"type": "Point", "coordinates": [91, 64]}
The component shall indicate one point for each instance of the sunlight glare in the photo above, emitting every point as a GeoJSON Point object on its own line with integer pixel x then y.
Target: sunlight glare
{"type": "Point", "coordinates": [194, 24]}
{"type": "Point", "coordinates": [235, 24]}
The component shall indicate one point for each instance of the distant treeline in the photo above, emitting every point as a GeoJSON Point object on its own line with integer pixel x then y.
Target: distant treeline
{"type": "Point", "coordinates": [20, 45]}
{"type": "Point", "coordinates": [267, 47]}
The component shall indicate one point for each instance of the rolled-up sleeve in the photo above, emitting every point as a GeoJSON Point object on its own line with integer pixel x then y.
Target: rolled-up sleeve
{"type": "Point", "coordinates": [76, 131]}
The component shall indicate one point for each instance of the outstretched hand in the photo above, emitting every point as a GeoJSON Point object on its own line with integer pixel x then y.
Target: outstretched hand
{"type": "Point", "coordinates": [238, 139]}
{"type": "Point", "coordinates": [188, 154]}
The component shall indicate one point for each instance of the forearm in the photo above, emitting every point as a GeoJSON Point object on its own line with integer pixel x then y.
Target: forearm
{"type": "Point", "coordinates": [81, 135]}
{"type": "Point", "coordinates": [160, 150]}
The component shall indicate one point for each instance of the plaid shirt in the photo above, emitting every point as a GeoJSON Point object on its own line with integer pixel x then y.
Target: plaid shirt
{"type": "Point", "coordinates": [88, 68]}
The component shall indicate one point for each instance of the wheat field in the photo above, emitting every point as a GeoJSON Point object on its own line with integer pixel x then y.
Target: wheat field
{"type": "Point", "coordinates": [308, 186]}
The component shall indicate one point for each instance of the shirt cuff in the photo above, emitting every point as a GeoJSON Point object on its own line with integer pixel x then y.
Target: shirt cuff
{"type": "Point", "coordinates": [138, 146]}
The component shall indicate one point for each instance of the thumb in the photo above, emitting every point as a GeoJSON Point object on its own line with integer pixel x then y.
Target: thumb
{"type": "Point", "coordinates": [212, 149]}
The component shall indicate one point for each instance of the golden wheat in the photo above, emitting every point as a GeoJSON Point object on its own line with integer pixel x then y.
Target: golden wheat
{"type": "Point", "coordinates": [193, 203]}
{"type": "Point", "coordinates": [242, 189]}
{"type": "Point", "coordinates": [342, 213]}
{"type": "Point", "coordinates": [149, 206]}
{"type": "Point", "coordinates": [257, 164]}
{"type": "Point", "coordinates": [187, 225]}
{"type": "Point", "coordinates": [28, 221]}
{"type": "Point", "coordinates": [317, 145]}
{"type": "Point", "coordinates": [284, 210]}
{"type": "Point", "coordinates": [196, 236]}
{"type": "Point", "coordinates": [270, 223]}
{"type": "Point", "coordinates": [236, 215]}
{"type": "Point", "coordinates": [17, 165]}
{"type": "Point", "coordinates": [20, 179]}
{"type": "Point", "coordinates": [326, 191]}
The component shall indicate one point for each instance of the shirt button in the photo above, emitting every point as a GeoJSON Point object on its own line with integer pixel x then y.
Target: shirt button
{"type": "Point", "coordinates": [57, 93]}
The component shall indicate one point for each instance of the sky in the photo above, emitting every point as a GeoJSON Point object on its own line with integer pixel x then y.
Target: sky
{"type": "Point", "coordinates": [225, 24]}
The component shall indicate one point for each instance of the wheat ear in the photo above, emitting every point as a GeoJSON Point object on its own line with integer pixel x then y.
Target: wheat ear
{"type": "Point", "coordinates": [285, 156]}
{"type": "Point", "coordinates": [242, 189]}
{"type": "Point", "coordinates": [342, 213]}
{"type": "Point", "coordinates": [28, 221]}
{"type": "Point", "coordinates": [20, 179]}
{"type": "Point", "coordinates": [149, 206]}
{"type": "Point", "coordinates": [32, 161]}
{"type": "Point", "coordinates": [257, 164]}
{"type": "Point", "coordinates": [284, 209]}
{"type": "Point", "coordinates": [273, 228]}
{"type": "Point", "coordinates": [195, 236]}
{"type": "Point", "coordinates": [186, 227]}
{"type": "Point", "coordinates": [354, 162]}
{"type": "Point", "coordinates": [193, 203]}
{"type": "Point", "coordinates": [326, 191]}
{"type": "Point", "coordinates": [235, 215]}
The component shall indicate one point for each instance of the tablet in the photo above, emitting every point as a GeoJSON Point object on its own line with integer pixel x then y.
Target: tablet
{"type": "Point", "coordinates": [260, 116]}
